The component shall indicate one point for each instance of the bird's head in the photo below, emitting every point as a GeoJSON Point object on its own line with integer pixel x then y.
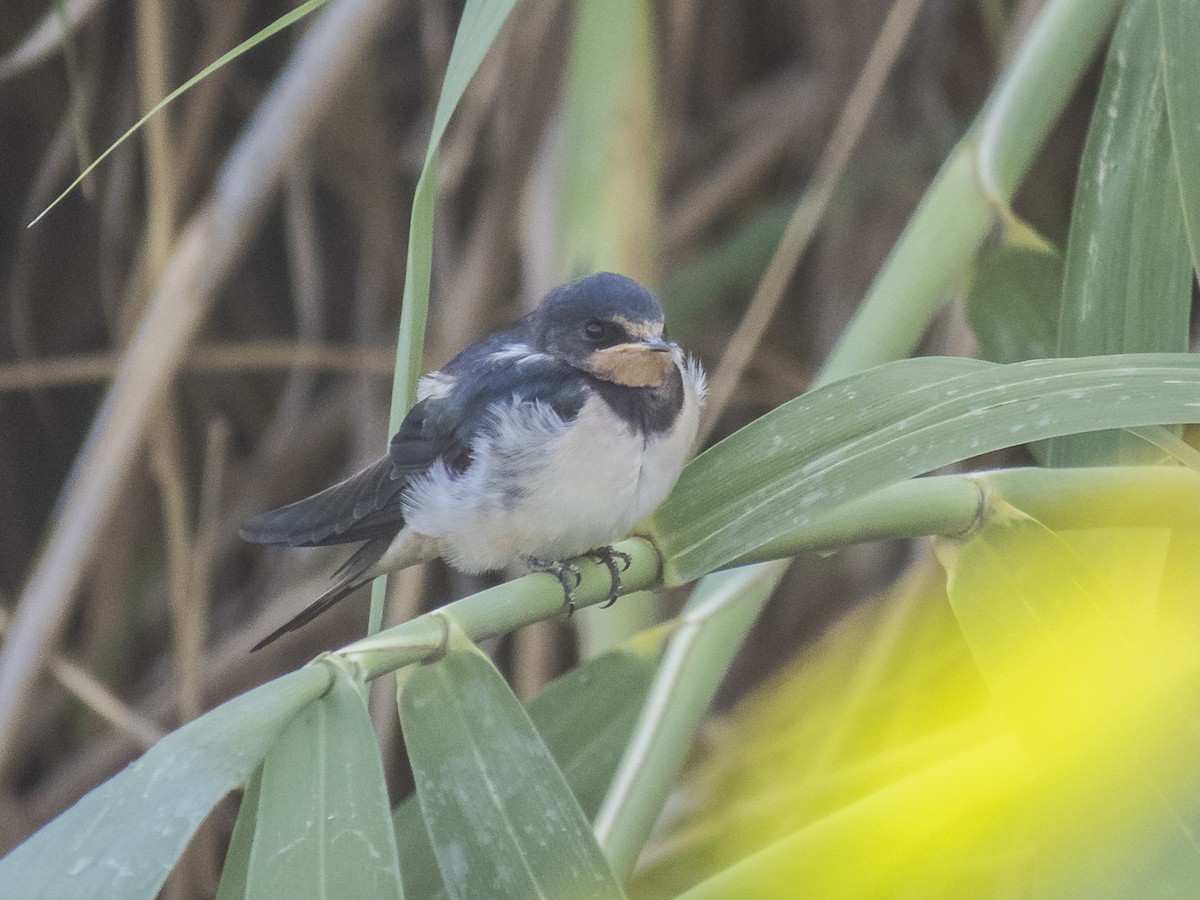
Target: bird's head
{"type": "Point", "coordinates": [608, 326]}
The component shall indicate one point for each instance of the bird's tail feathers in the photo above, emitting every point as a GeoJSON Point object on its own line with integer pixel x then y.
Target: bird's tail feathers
{"type": "Point", "coordinates": [349, 577]}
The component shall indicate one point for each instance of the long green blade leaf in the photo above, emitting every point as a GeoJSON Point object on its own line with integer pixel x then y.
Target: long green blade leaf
{"type": "Point", "coordinates": [324, 827]}
{"type": "Point", "coordinates": [162, 798]}
{"type": "Point", "coordinates": [481, 20]}
{"type": "Point", "coordinates": [895, 422]}
{"type": "Point", "coordinates": [1127, 279]}
{"type": "Point", "coordinates": [1179, 38]}
{"type": "Point", "coordinates": [585, 719]}
{"type": "Point", "coordinates": [500, 815]}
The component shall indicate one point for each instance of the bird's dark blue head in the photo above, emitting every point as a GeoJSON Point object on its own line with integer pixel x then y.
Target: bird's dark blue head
{"type": "Point", "coordinates": [607, 325]}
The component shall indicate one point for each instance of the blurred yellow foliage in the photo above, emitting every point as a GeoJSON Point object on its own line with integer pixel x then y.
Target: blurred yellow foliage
{"type": "Point", "coordinates": [1023, 724]}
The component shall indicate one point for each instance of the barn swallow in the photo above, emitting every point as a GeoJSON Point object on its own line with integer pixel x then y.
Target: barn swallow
{"type": "Point", "coordinates": [542, 443]}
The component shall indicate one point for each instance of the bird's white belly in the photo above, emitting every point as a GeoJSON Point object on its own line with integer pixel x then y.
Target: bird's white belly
{"type": "Point", "coordinates": [550, 490]}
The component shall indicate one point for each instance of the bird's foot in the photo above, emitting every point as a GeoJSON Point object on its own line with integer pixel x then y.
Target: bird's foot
{"type": "Point", "coordinates": [568, 576]}
{"type": "Point", "coordinates": [609, 557]}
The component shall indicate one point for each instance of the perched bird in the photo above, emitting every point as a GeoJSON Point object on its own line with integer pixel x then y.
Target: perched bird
{"type": "Point", "coordinates": [542, 443]}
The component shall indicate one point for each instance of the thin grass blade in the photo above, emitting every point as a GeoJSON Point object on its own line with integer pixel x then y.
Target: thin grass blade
{"type": "Point", "coordinates": [274, 28]}
{"type": "Point", "coordinates": [481, 21]}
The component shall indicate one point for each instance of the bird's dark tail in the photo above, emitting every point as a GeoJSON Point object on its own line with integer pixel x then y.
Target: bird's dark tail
{"type": "Point", "coordinates": [349, 577]}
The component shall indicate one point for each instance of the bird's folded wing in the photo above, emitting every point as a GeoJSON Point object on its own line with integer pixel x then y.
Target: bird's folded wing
{"type": "Point", "coordinates": [482, 386]}
{"type": "Point", "coordinates": [443, 428]}
{"type": "Point", "coordinates": [365, 505]}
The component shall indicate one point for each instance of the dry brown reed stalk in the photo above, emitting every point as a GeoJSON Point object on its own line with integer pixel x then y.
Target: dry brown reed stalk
{"type": "Point", "coordinates": [809, 211]}
{"type": "Point", "coordinates": [239, 357]}
{"type": "Point", "coordinates": [133, 726]}
{"type": "Point", "coordinates": [46, 38]}
{"type": "Point", "coordinates": [207, 248]}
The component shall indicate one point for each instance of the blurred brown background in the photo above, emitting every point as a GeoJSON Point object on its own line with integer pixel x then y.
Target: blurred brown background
{"type": "Point", "coordinates": [285, 386]}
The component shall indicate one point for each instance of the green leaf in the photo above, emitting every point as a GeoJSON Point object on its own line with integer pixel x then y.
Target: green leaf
{"type": "Point", "coordinates": [324, 826]}
{"type": "Point", "coordinates": [90, 850]}
{"type": "Point", "coordinates": [278, 25]}
{"type": "Point", "coordinates": [608, 215]}
{"type": "Point", "coordinates": [870, 765]}
{"type": "Point", "coordinates": [237, 856]}
{"type": "Point", "coordinates": [1100, 691]}
{"type": "Point", "coordinates": [1179, 38]}
{"type": "Point", "coordinates": [1127, 282]}
{"type": "Point", "coordinates": [501, 817]}
{"type": "Point", "coordinates": [1012, 304]}
{"type": "Point", "coordinates": [893, 422]}
{"type": "Point", "coordinates": [584, 718]}
{"type": "Point", "coordinates": [477, 29]}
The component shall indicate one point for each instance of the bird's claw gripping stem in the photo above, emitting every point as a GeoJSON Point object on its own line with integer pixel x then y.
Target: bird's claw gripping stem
{"type": "Point", "coordinates": [564, 572]}
{"type": "Point", "coordinates": [609, 556]}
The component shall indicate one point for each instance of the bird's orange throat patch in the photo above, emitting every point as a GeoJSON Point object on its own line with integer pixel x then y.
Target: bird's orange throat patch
{"type": "Point", "coordinates": [632, 365]}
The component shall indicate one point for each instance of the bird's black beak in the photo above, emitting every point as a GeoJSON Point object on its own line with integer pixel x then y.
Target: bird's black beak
{"type": "Point", "coordinates": [658, 345]}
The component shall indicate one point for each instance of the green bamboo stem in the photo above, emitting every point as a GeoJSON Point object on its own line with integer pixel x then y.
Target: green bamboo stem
{"type": "Point", "coordinates": [500, 610]}
{"type": "Point", "coordinates": [946, 505]}
{"type": "Point", "coordinates": [712, 628]}
{"type": "Point", "coordinates": [1117, 496]}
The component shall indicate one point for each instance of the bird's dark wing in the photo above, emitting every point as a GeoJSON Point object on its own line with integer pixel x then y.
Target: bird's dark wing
{"type": "Point", "coordinates": [365, 505]}
{"type": "Point", "coordinates": [447, 427]}
{"type": "Point", "coordinates": [443, 428]}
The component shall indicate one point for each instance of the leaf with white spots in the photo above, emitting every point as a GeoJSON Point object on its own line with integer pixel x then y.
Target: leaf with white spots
{"type": "Point", "coordinates": [1127, 282]}
{"type": "Point", "coordinates": [123, 838]}
{"type": "Point", "coordinates": [500, 815]}
{"type": "Point", "coordinates": [781, 473]}
{"type": "Point", "coordinates": [324, 828]}
{"type": "Point", "coordinates": [1179, 43]}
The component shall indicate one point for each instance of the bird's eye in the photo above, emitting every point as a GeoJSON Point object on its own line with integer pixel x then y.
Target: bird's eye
{"type": "Point", "coordinates": [596, 331]}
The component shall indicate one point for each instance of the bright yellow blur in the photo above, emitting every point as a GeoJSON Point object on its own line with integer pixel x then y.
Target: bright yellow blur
{"type": "Point", "coordinates": [1020, 723]}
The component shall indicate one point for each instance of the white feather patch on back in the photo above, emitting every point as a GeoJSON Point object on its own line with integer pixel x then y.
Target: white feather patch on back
{"type": "Point", "coordinates": [435, 385]}
{"type": "Point", "coordinates": [521, 353]}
